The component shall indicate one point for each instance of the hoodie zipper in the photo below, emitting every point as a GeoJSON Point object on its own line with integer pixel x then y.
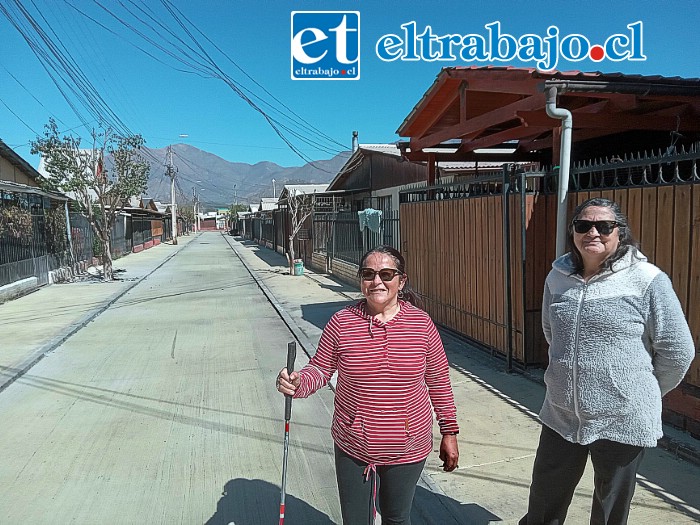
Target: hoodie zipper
{"type": "Point", "coordinates": [575, 363]}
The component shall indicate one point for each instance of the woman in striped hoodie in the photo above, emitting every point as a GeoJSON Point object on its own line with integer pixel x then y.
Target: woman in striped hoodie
{"type": "Point", "coordinates": [391, 369]}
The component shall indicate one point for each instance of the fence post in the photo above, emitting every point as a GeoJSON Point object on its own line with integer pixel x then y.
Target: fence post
{"type": "Point", "coordinates": [523, 242]}
{"type": "Point", "coordinates": [506, 267]}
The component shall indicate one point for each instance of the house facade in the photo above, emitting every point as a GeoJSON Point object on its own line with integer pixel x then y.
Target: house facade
{"type": "Point", "coordinates": [34, 228]}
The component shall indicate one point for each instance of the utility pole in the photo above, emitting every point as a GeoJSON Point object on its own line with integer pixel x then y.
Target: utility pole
{"type": "Point", "coordinates": [171, 174]}
{"type": "Point", "coordinates": [274, 191]}
{"type": "Point", "coordinates": [235, 194]}
{"type": "Point", "coordinates": [194, 204]}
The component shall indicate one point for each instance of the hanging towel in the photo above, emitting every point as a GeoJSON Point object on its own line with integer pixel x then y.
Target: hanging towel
{"type": "Point", "coordinates": [370, 218]}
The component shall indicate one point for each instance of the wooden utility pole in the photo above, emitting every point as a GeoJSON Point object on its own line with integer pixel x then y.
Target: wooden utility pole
{"type": "Point", "coordinates": [171, 174]}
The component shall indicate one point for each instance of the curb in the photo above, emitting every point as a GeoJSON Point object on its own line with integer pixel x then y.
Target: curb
{"type": "Point", "coordinates": [62, 337]}
{"type": "Point", "coordinates": [304, 342]}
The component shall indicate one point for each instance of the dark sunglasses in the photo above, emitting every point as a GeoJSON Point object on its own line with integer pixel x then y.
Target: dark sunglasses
{"type": "Point", "coordinates": [602, 227]}
{"type": "Point", "coordinates": [385, 274]}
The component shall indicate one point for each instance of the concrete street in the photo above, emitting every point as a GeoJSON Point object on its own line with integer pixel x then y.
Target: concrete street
{"type": "Point", "coordinates": [152, 400]}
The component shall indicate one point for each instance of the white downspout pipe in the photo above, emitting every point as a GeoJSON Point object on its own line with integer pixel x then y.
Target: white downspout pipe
{"type": "Point", "coordinates": [564, 162]}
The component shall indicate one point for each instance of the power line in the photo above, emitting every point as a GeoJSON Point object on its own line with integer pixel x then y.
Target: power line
{"type": "Point", "coordinates": [300, 119]}
{"type": "Point", "coordinates": [54, 56]}
{"type": "Point", "coordinates": [18, 117]}
{"type": "Point", "coordinates": [31, 95]}
{"type": "Point", "coordinates": [180, 43]}
{"type": "Point", "coordinates": [202, 63]}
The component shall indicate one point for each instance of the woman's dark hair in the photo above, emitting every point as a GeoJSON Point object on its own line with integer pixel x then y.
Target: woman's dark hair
{"type": "Point", "coordinates": [623, 231]}
{"type": "Point", "coordinates": [406, 293]}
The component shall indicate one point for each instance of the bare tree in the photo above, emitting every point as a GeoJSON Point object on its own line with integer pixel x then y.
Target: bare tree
{"type": "Point", "coordinates": [300, 206]}
{"type": "Point", "coordinates": [99, 192]}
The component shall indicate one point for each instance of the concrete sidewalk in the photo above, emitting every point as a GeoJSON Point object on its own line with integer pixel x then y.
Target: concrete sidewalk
{"type": "Point", "coordinates": [497, 411]}
{"type": "Point", "coordinates": [39, 322]}
{"type": "Point", "coordinates": [497, 415]}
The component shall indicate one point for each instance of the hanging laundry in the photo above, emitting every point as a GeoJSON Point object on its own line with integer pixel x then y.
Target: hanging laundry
{"type": "Point", "coordinates": [370, 218]}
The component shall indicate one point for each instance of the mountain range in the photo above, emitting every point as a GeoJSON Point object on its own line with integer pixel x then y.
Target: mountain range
{"type": "Point", "coordinates": [220, 183]}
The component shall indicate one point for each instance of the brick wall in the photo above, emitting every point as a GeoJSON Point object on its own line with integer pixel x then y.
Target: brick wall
{"type": "Point", "coordinates": [318, 262]}
{"type": "Point", "coordinates": [344, 271]}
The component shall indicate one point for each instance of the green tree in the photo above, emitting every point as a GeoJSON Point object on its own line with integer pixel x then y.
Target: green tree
{"type": "Point", "coordinates": [234, 208]}
{"type": "Point", "coordinates": [100, 193]}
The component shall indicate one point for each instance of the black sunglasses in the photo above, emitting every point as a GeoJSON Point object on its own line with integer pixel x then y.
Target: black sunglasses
{"type": "Point", "coordinates": [385, 274]}
{"type": "Point", "coordinates": [602, 227]}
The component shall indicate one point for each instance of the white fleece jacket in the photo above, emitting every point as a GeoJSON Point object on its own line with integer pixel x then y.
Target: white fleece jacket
{"type": "Point", "coordinates": [617, 344]}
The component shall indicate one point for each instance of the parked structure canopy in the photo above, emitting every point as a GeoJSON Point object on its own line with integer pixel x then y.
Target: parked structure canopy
{"type": "Point", "coordinates": [469, 109]}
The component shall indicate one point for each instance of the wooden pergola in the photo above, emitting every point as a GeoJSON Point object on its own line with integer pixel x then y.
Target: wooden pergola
{"type": "Point", "coordinates": [470, 109]}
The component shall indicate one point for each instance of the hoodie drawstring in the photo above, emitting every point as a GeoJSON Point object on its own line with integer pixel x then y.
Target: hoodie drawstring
{"type": "Point", "coordinates": [369, 469]}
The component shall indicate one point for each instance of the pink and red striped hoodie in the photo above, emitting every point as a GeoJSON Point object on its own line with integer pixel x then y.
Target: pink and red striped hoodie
{"type": "Point", "coordinates": [389, 375]}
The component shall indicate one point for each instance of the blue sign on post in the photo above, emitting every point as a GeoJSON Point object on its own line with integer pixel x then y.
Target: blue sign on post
{"type": "Point", "coordinates": [325, 45]}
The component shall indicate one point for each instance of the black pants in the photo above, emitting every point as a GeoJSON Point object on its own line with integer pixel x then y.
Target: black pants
{"type": "Point", "coordinates": [396, 487]}
{"type": "Point", "coordinates": [559, 465]}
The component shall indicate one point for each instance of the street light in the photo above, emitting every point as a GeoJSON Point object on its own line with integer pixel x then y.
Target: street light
{"type": "Point", "coordinates": [274, 191]}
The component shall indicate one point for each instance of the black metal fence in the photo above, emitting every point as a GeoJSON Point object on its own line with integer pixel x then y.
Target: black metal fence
{"type": "Point", "coordinates": [127, 231]}
{"type": "Point", "coordinates": [141, 231]}
{"type": "Point", "coordinates": [339, 235]}
{"type": "Point", "coordinates": [268, 230]}
{"type": "Point", "coordinates": [36, 238]}
{"type": "Point", "coordinates": [33, 238]}
{"type": "Point", "coordinates": [121, 242]}
{"type": "Point", "coordinates": [82, 238]}
{"type": "Point", "coordinates": [640, 170]}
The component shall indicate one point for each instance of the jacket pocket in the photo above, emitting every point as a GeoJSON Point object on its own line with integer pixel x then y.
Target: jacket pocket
{"type": "Point", "coordinates": [606, 393]}
{"type": "Point", "coordinates": [346, 422]}
{"type": "Point", "coordinates": [386, 433]}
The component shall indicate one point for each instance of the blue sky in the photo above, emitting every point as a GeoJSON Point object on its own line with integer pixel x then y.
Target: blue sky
{"type": "Point", "coordinates": [150, 96]}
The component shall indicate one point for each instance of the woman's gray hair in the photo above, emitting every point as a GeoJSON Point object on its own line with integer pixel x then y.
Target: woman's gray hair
{"type": "Point", "coordinates": [623, 230]}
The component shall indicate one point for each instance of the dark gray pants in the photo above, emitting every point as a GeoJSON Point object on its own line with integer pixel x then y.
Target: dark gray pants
{"type": "Point", "coordinates": [396, 486]}
{"type": "Point", "coordinates": [559, 465]}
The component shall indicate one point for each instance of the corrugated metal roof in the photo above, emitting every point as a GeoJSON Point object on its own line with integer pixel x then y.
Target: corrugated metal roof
{"type": "Point", "coordinates": [304, 189]}
{"type": "Point", "coordinates": [390, 149]}
{"type": "Point", "coordinates": [579, 75]}
{"type": "Point", "coordinates": [268, 204]}
{"type": "Point", "coordinates": [16, 187]}
{"type": "Point", "coordinates": [468, 165]}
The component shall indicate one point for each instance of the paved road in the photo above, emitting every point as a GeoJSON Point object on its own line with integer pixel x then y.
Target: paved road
{"type": "Point", "coordinates": [163, 410]}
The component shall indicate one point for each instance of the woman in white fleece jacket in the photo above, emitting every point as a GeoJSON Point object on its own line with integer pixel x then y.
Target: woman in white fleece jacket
{"type": "Point", "coordinates": [618, 342]}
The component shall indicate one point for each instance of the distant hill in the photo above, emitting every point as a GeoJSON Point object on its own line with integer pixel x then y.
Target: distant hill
{"type": "Point", "coordinates": [218, 176]}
